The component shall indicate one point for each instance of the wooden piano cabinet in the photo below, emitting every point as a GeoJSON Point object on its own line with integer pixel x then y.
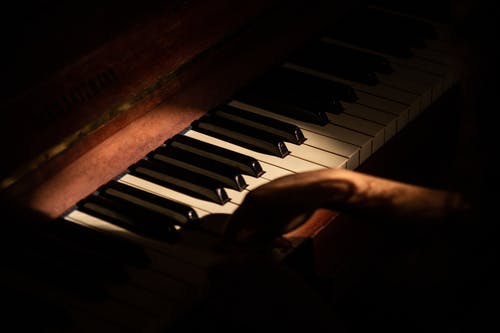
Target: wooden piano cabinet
{"type": "Point", "coordinates": [100, 111]}
{"type": "Point", "coordinates": [159, 75]}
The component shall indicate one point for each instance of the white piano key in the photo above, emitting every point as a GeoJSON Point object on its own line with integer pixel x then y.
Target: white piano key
{"type": "Point", "coordinates": [289, 162]}
{"type": "Point", "coordinates": [186, 260]}
{"type": "Point", "coordinates": [165, 192]}
{"type": "Point", "coordinates": [363, 141]}
{"type": "Point", "coordinates": [360, 125]}
{"type": "Point", "coordinates": [386, 119]}
{"type": "Point", "coordinates": [272, 171]}
{"type": "Point", "coordinates": [317, 156]}
{"type": "Point", "coordinates": [425, 66]}
{"type": "Point", "coordinates": [407, 80]}
{"type": "Point", "coordinates": [253, 182]}
{"type": "Point", "coordinates": [380, 89]}
{"type": "Point", "coordinates": [443, 47]}
{"type": "Point", "coordinates": [434, 55]}
{"type": "Point", "coordinates": [404, 79]}
{"type": "Point", "coordinates": [424, 81]}
{"type": "Point", "coordinates": [237, 197]}
{"type": "Point", "coordinates": [445, 72]}
{"type": "Point", "coordinates": [162, 261]}
{"type": "Point", "coordinates": [351, 152]}
{"type": "Point", "coordinates": [314, 155]}
{"type": "Point", "coordinates": [401, 79]}
{"type": "Point", "coordinates": [421, 64]}
{"type": "Point", "coordinates": [402, 111]}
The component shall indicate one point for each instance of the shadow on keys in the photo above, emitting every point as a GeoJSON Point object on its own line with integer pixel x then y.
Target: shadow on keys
{"type": "Point", "coordinates": [427, 266]}
{"type": "Point", "coordinates": [51, 267]}
{"type": "Point", "coordinates": [434, 266]}
{"type": "Point", "coordinates": [432, 263]}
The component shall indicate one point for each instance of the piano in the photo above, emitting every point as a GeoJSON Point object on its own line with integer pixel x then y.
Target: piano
{"type": "Point", "coordinates": [170, 112]}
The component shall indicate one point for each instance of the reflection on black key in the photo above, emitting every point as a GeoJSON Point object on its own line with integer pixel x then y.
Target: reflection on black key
{"type": "Point", "coordinates": [228, 176]}
{"type": "Point", "coordinates": [246, 164]}
{"type": "Point", "coordinates": [129, 217]}
{"type": "Point", "coordinates": [181, 180]}
{"type": "Point", "coordinates": [341, 62]}
{"type": "Point", "coordinates": [177, 212]}
{"type": "Point", "coordinates": [241, 134]}
{"type": "Point", "coordinates": [288, 132]}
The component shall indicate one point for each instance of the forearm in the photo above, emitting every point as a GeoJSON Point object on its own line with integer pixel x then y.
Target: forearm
{"type": "Point", "coordinates": [283, 204]}
{"type": "Point", "coordinates": [345, 190]}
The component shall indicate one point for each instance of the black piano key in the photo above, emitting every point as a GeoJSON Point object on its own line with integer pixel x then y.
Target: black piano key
{"type": "Point", "coordinates": [280, 91]}
{"type": "Point", "coordinates": [181, 180]}
{"type": "Point", "coordinates": [341, 62]}
{"type": "Point", "coordinates": [175, 211]}
{"type": "Point", "coordinates": [288, 132]}
{"type": "Point", "coordinates": [315, 87]}
{"type": "Point", "coordinates": [240, 134]}
{"type": "Point", "coordinates": [373, 62]}
{"type": "Point", "coordinates": [246, 164]}
{"type": "Point", "coordinates": [366, 29]}
{"type": "Point", "coordinates": [226, 175]}
{"type": "Point", "coordinates": [133, 218]}
{"type": "Point", "coordinates": [413, 31]}
{"type": "Point", "coordinates": [289, 98]}
{"type": "Point", "coordinates": [283, 106]}
{"type": "Point", "coordinates": [423, 28]}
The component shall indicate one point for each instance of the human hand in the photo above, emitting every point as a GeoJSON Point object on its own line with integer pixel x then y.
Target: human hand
{"type": "Point", "coordinates": [285, 203]}
{"type": "Point", "coordinates": [278, 207]}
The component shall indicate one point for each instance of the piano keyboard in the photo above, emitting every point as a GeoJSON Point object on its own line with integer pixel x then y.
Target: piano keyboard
{"type": "Point", "coordinates": [331, 104]}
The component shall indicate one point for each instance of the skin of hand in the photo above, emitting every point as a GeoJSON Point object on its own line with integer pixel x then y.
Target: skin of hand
{"type": "Point", "coordinates": [282, 204]}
